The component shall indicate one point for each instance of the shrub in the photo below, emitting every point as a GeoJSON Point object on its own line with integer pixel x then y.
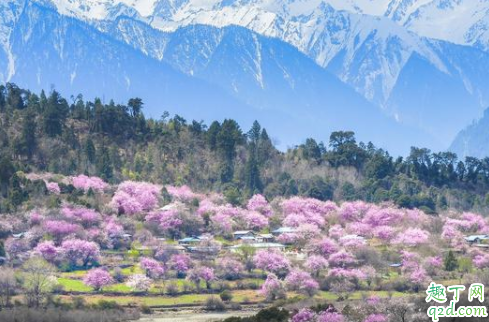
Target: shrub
{"type": "Point", "coordinates": [172, 289]}
{"type": "Point", "coordinates": [226, 296]}
{"type": "Point", "coordinates": [214, 304]}
{"type": "Point", "coordinates": [107, 305]}
{"type": "Point", "coordinates": [79, 302]}
{"type": "Point", "coordinates": [118, 275]}
{"type": "Point", "coordinates": [266, 315]}
{"type": "Point", "coordinates": [146, 309]}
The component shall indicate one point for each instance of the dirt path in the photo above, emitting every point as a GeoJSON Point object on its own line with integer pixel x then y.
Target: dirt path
{"type": "Point", "coordinates": [190, 316]}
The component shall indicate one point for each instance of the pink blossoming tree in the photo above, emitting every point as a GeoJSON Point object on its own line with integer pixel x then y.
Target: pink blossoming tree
{"type": "Point", "coordinates": [98, 278]}
{"type": "Point", "coordinates": [152, 267]}
{"type": "Point", "coordinates": [80, 252]}
{"type": "Point", "coordinates": [139, 283]}
{"type": "Point", "coordinates": [272, 261]}
{"type": "Point", "coordinates": [134, 197]}
{"type": "Point", "coordinates": [273, 288]}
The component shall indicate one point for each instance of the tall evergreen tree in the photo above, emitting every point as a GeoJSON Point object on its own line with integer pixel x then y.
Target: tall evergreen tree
{"type": "Point", "coordinates": [7, 169]}
{"type": "Point", "coordinates": [265, 148]}
{"type": "Point", "coordinates": [253, 181]}
{"type": "Point", "coordinates": [15, 97]}
{"type": "Point", "coordinates": [228, 138]}
{"type": "Point", "coordinates": [3, 100]}
{"type": "Point", "coordinates": [90, 150]}
{"type": "Point", "coordinates": [55, 114]}
{"type": "Point", "coordinates": [28, 136]}
{"type": "Point", "coordinates": [104, 164]}
{"type": "Point", "coordinates": [212, 133]}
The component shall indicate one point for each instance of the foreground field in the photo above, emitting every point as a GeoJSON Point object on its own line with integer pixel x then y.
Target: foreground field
{"type": "Point", "coordinates": [194, 317]}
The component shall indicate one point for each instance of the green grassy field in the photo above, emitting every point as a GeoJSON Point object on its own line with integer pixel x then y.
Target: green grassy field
{"type": "Point", "coordinates": [120, 293]}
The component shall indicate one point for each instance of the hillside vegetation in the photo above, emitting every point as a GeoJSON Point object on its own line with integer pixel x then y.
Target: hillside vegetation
{"type": "Point", "coordinates": [48, 133]}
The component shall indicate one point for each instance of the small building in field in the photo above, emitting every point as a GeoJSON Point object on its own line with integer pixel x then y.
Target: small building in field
{"type": "Point", "coordinates": [240, 234]}
{"type": "Point", "coordinates": [189, 240]}
{"type": "Point", "coordinates": [265, 238]}
{"type": "Point", "coordinates": [476, 239]}
{"type": "Point", "coordinates": [248, 239]}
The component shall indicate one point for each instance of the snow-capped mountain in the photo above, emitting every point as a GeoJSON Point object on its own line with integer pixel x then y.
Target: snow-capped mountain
{"type": "Point", "coordinates": [322, 29]}
{"type": "Point", "coordinates": [458, 21]}
{"type": "Point", "coordinates": [366, 44]}
{"type": "Point", "coordinates": [422, 63]}
{"type": "Point", "coordinates": [207, 73]}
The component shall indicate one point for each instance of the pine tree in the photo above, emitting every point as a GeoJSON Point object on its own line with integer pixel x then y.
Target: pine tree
{"type": "Point", "coordinates": [55, 114]}
{"type": "Point", "coordinates": [227, 139]}
{"type": "Point", "coordinates": [3, 101]}
{"type": "Point", "coordinates": [43, 101]}
{"type": "Point", "coordinates": [253, 181]}
{"type": "Point", "coordinates": [254, 133]}
{"type": "Point", "coordinates": [212, 133]}
{"type": "Point", "coordinates": [104, 165]}
{"type": "Point", "coordinates": [16, 194]}
{"type": "Point", "coordinates": [15, 97]}
{"type": "Point", "coordinates": [90, 150]}
{"type": "Point", "coordinates": [265, 148]}
{"type": "Point", "coordinates": [7, 169]}
{"type": "Point", "coordinates": [450, 262]}
{"type": "Point", "coordinates": [28, 139]}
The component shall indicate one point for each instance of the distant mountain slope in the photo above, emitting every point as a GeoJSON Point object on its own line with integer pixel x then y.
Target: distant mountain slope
{"type": "Point", "coordinates": [380, 65]}
{"type": "Point", "coordinates": [269, 74]}
{"type": "Point", "coordinates": [439, 102]}
{"type": "Point", "coordinates": [243, 75]}
{"type": "Point", "coordinates": [52, 50]}
{"type": "Point", "coordinates": [324, 30]}
{"type": "Point", "coordinates": [473, 141]}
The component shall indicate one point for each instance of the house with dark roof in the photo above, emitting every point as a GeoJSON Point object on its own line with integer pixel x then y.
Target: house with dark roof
{"type": "Point", "coordinates": [476, 239]}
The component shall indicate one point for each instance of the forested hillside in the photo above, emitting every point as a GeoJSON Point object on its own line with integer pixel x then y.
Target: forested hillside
{"type": "Point", "coordinates": [44, 132]}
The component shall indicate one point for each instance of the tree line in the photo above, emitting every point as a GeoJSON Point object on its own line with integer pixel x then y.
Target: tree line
{"type": "Point", "coordinates": [46, 132]}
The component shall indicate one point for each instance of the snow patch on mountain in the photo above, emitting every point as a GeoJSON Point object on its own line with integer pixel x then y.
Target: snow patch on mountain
{"type": "Point", "coordinates": [459, 21]}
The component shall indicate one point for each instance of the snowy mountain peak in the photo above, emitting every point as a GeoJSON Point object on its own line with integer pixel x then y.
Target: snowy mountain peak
{"type": "Point", "coordinates": [458, 21]}
{"type": "Point", "coordinates": [101, 9]}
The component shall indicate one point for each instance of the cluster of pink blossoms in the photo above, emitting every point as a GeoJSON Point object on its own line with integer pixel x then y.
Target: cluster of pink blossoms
{"type": "Point", "coordinates": [98, 278]}
{"type": "Point", "coordinates": [60, 228]}
{"type": "Point", "coordinates": [134, 197]}
{"type": "Point", "coordinates": [272, 288]}
{"type": "Point", "coordinates": [181, 263]}
{"type": "Point", "coordinates": [272, 261]}
{"type": "Point", "coordinates": [182, 193]}
{"type": "Point", "coordinates": [307, 315]}
{"type": "Point", "coordinates": [302, 282]}
{"type": "Point", "coordinates": [260, 204]}
{"type": "Point", "coordinates": [85, 216]}
{"type": "Point", "coordinates": [153, 268]}
{"type": "Point", "coordinates": [86, 183]}
{"type": "Point", "coordinates": [166, 219]}
{"type": "Point", "coordinates": [53, 187]}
